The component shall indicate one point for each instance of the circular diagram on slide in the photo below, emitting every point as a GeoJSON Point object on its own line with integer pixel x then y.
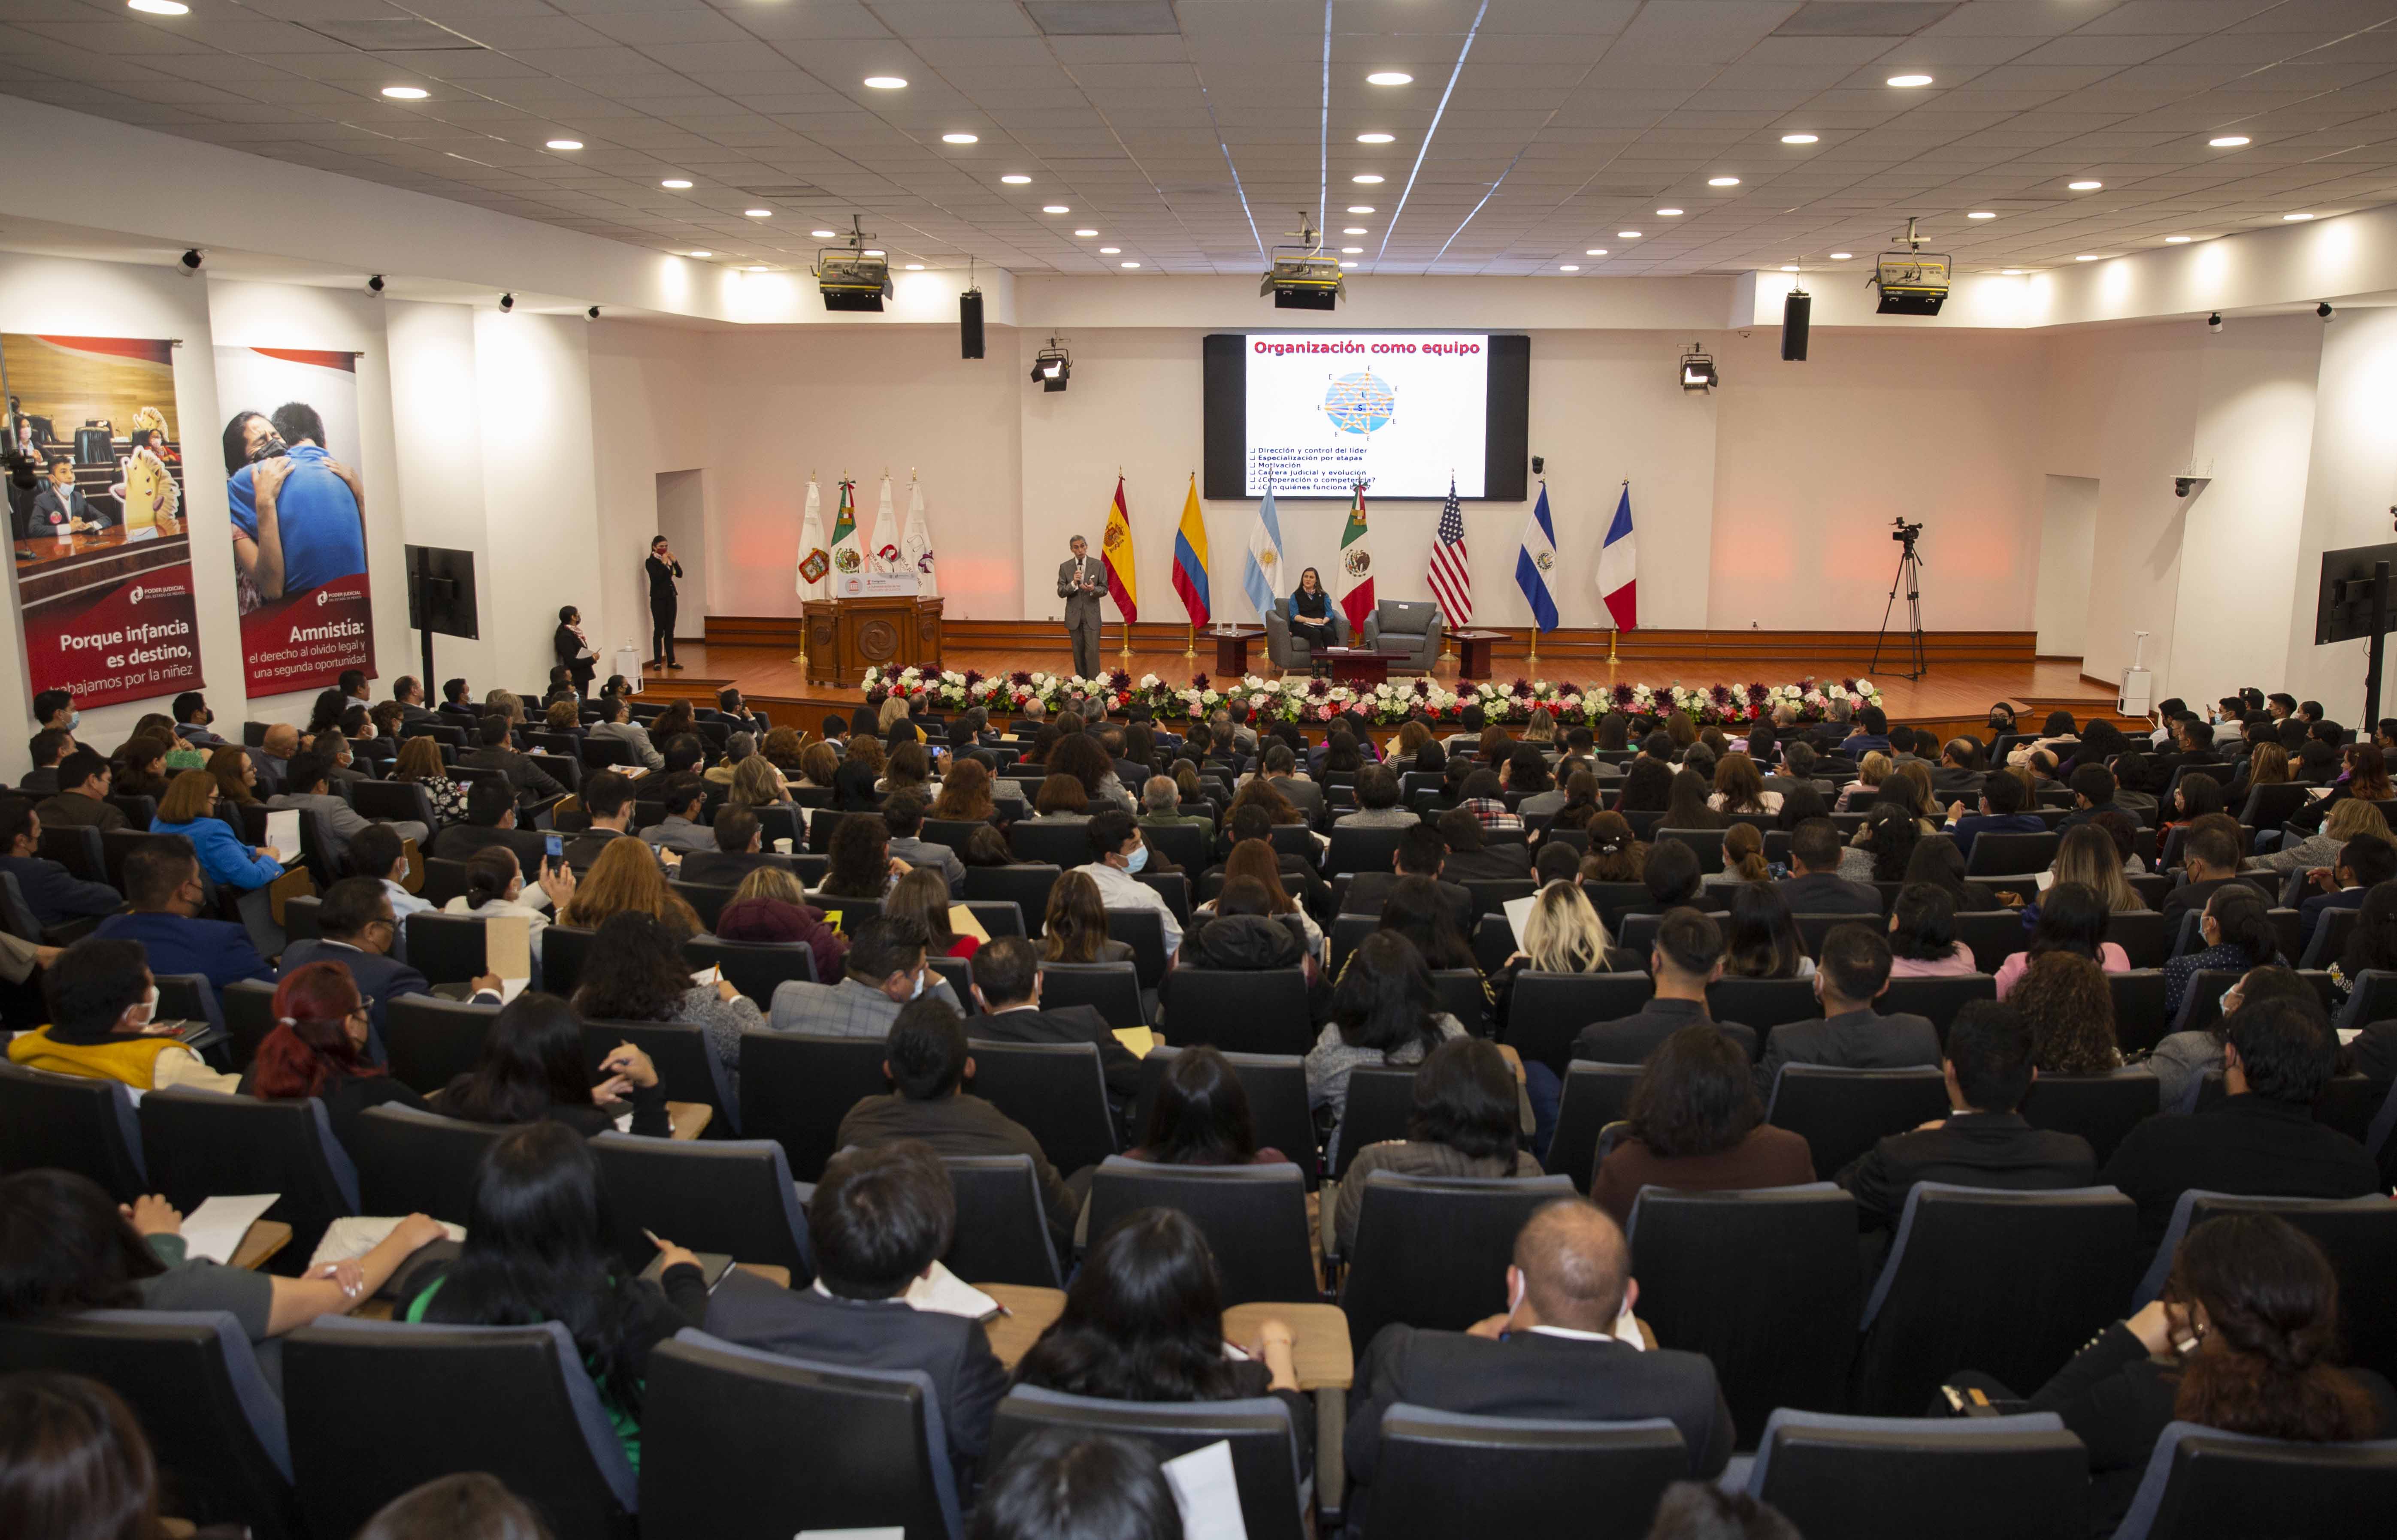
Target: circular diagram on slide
{"type": "Point", "coordinates": [1360, 403]}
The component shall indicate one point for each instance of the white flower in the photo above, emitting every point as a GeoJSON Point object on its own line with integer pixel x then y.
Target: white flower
{"type": "Point", "coordinates": [1150, 681]}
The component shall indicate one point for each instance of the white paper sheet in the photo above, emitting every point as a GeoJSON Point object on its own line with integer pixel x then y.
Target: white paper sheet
{"type": "Point", "coordinates": [215, 1228]}
{"type": "Point", "coordinates": [1208, 1494]}
{"type": "Point", "coordinates": [353, 1235]}
{"type": "Point", "coordinates": [282, 835]}
{"type": "Point", "coordinates": [707, 976]}
{"type": "Point", "coordinates": [1519, 914]}
{"type": "Point", "coordinates": [944, 1293]}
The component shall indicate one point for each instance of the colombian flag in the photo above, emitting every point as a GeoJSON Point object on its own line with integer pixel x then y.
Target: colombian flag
{"type": "Point", "coordinates": [1116, 547]}
{"type": "Point", "coordinates": [1190, 557]}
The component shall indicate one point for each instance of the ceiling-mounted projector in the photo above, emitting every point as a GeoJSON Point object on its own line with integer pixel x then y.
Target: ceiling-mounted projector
{"type": "Point", "coordinates": [1912, 282]}
{"type": "Point", "coordinates": [850, 278]}
{"type": "Point", "coordinates": [1302, 278]}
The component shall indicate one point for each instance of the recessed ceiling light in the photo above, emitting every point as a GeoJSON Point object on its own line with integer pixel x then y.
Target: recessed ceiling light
{"type": "Point", "coordinates": [703, 254]}
{"type": "Point", "coordinates": [1375, 139]}
{"type": "Point", "coordinates": [914, 267]}
{"type": "Point", "coordinates": [1980, 214]}
{"type": "Point", "coordinates": [960, 139]}
{"type": "Point", "coordinates": [2175, 240]}
{"type": "Point", "coordinates": [1568, 267]}
{"type": "Point", "coordinates": [887, 83]}
{"type": "Point", "coordinates": [2228, 142]}
{"type": "Point", "coordinates": [1085, 234]}
{"type": "Point", "coordinates": [1127, 264]}
{"type": "Point", "coordinates": [821, 234]}
{"type": "Point", "coordinates": [1843, 255]}
{"type": "Point", "coordinates": [564, 144]}
{"type": "Point", "coordinates": [1347, 264]}
{"type": "Point", "coordinates": [1054, 209]}
{"type": "Point", "coordinates": [678, 183]}
{"type": "Point", "coordinates": [405, 93]}
{"type": "Point", "coordinates": [1722, 182]}
{"type": "Point", "coordinates": [2085, 186]}
{"type": "Point", "coordinates": [1352, 229]}
{"type": "Point", "coordinates": [1595, 251]}
{"type": "Point", "coordinates": [758, 213]}
{"type": "Point", "coordinates": [2010, 273]}
{"type": "Point", "coordinates": [1627, 234]}
{"type": "Point", "coordinates": [1352, 251]}
{"type": "Point", "coordinates": [2086, 257]}
{"type": "Point", "coordinates": [1800, 138]}
{"type": "Point", "coordinates": [1668, 213]}
{"type": "Point", "coordinates": [758, 266]}
{"type": "Point", "coordinates": [1015, 180]}
{"type": "Point", "coordinates": [1367, 178]}
{"type": "Point", "coordinates": [2295, 218]}
{"type": "Point", "coordinates": [1389, 78]}
{"type": "Point", "coordinates": [158, 8]}
{"type": "Point", "coordinates": [874, 251]}
{"type": "Point", "coordinates": [1109, 251]}
{"type": "Point", "coordinates": [1789, 267]}
{"type": "Point", "coordinates": [1360, 208]}
{"type": "Point", "coordinates": [1910, 81]}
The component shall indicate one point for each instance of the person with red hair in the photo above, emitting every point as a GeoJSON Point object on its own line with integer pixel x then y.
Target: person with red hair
{"type": "Point", "coordinates": [315, 1050]}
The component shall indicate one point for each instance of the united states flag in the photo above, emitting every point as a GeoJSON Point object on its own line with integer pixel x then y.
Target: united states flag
{"type": "Point", "coordinates": [1451, 575]}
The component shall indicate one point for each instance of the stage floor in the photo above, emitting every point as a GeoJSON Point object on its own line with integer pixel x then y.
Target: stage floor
{"type": "Point", "coordinates": [1950, 693]}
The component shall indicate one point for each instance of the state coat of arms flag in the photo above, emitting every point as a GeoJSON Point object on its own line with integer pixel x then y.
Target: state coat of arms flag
{"type": "Point", "coordinates": [884, 546]}
{"type": "Point", "coordinates": [1451, 574]}
{"type": "Point", "coordinates": [1618, 567]}
{"type": "Point", "coordinates": [916, 543]}
{"type": "Point", "coordinates": [1115, 548]}
{"type": "Point", "coordinates": [847, 550]}
{"type": "Point", "coordinates": [1356, 590]}
{"type": "Point", "coordinates": [1536, 561]}
{"type": "Point", "coordinates": [1261, 574]}
{"type": "Point", "coordinates": [815, 562]}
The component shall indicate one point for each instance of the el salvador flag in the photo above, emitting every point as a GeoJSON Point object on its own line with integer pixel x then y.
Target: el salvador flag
{"type": "Point", "coordinates": [1260, 578]}
{"type": "Point", "coordinates": [1536, 561]}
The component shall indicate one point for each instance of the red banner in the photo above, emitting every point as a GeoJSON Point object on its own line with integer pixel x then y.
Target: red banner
{"type": "Point", "coordinates": [124, 639]}
{"type": "Point", "coordinates": [305, 642]}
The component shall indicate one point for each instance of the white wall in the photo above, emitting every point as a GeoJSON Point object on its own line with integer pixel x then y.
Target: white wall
{"type": "Point", "coordinates": [2067, 538]}
{"type": "Point", "coordinates": [435, 393]}
{"type": "Point", "coordinates": [2351, 486]}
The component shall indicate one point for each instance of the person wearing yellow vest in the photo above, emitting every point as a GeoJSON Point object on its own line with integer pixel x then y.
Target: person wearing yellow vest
{"type": "Point", "coordinates": [104, 1002]}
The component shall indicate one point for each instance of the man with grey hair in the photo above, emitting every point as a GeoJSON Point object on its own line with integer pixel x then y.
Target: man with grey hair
{"type": "Point", "coordinates": [1565, 1347]}
{"type": "Point", "coordinates": [1161, 803]}
{"type": "Point", "coordinates": [737, 746]}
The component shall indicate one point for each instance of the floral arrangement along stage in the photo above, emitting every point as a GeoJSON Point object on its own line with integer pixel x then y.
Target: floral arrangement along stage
{"type": "Point", "coordinates": [1297, 699]}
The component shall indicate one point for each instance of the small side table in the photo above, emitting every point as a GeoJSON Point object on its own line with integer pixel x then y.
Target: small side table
{"type": "Point", "coordinates": [1232, 647]}
{"type": "Point", "coordinates": [1473, 649]}
{"type": "Point", "coordinates": [1359, 666]}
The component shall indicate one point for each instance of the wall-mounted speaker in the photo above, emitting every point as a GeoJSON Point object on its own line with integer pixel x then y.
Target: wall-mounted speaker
{"type": "Point", "coordinates": [969, 324]}
{"type": "Point", "coordinates": [1797, 315]}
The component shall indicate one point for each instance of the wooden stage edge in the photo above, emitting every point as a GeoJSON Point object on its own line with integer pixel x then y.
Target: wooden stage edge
{"type": "Point", "coordinates": [1968, 669]}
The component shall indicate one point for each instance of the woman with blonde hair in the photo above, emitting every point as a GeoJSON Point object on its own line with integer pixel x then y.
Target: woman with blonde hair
{"type": "Point", "coordinates": [1871, 771]}
{"type": "Point", "coordinates": [1075, 929]}
{"type": "Point", "coordinates": [563, 716]}
{"type": "Point", "coordinates": [965, 795]}
{"type": "Point", "coordinates": [1541, 727]}
{"type": "Point", "coordinates": [2350, 818]}
{"type": "Point", "coordinates": [419, 761]}
{"type": "Point", "coordinates": [895, 710]}
{"type": "Point", "coordinates": [2086, 855]}
{"type": "Point", "coordinates": [1563, 933]}
{"type": "Point", "coordinates": [1915, 775]}
{"type": "Point", "coordinates": [625, 879]}
{"type": "Point", "coordinates": [756, 783]}
{"type": "Point", "coordinates": [1740, 789]}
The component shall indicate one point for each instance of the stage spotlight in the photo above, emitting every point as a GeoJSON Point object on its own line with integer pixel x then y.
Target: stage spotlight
{"type": "Point", "coordinates": [507, 303]}
{"type": "Point", "coordinates": [2214, 321]}
{"type": "Point", "coordinates": [1912, 282]}
{"type": "Point", "coordinates": [2323, 309]}
{"type": "Point", "coordinates": [374, 284]}
{"type": "Point", "coordinates": [856, 278]}
{"type": "Point", "coordinates": [192, 260]}
{"type": "Point", "coordinates": [1302, 278]}
{"type": "Point", "coordinates": [1053, 367]}
{"type": "Point", "coordinates": [591, 315]}
{"type": "Point", "coordinates": [1698, 371]}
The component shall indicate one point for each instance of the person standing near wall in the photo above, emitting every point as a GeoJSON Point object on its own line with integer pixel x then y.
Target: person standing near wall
{"type": "Point", "coordinates": [663, 569]}
{"type": "Point", "coordinates": [1079, 583]}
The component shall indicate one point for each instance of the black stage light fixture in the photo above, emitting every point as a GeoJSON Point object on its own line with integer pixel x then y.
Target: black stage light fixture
{"type": "Point", "coordinates": [1698, 370]}
{"type": "Point", "coordinates": [1912, 282]}
{"type": "Point", "coordinates": [1053, 367]}
{"type": "Point", "coordinates": [851, 278]}
{"type": "Point", "coordinates": [1797, 318]}
{"type": "Point", "coordinates": [1301, 277]}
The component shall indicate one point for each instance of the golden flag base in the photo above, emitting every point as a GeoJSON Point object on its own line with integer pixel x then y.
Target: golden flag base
{"type": "Point", "coordinates": [1533, 660]}
{"type": "Point", "coordinates": [1610, 658]}
{"type": "Point", "coordinates": [1192, 649]}
{"type": "Point", "coordinates": [1125, 652]}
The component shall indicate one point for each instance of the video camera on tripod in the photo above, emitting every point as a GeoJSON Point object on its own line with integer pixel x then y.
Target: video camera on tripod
{"type": "Point", "coordinates": [1909, 567]}
{"type": "Point", "coordinates": [1910, 533]}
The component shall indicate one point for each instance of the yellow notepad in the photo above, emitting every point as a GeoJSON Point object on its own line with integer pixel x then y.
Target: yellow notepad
{"type": "Point", "coordinates": [1137, 1041]}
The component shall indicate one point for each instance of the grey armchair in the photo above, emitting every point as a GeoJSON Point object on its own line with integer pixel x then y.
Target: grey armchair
{"type": "Point", "coordinates": [1414, 626]}
{"type": "Point", "coordinates": [1290, 652]}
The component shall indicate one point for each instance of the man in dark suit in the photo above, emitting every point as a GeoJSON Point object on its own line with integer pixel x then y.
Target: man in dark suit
{"type": "Point", "coordinates": [2364, 863]}
{"type": "Point", "coordinates": [740, 839]}
{"type": "Point", "coordinates": [490, 820]}
{"type": "Point", "coordinates": [409, 692]}
{"type": "Point", "coordinates": [1472, 859]}
{"type": "Point", "coordinates": [1082, 583]}
{"type": "Point", "coordinates": [877, 1223]}
{"type": "Point", "coordinates": [1281, 771]}
{"type": "Point", "coordinates": [1815, 885]}
{"type": "Point", "coordinates": [47, 748]}
{"type": "Point", "coordinates": [2209, 861]}
{"type": "Point", "coordinates": [2093, 792]}
{"type": "Point", "coordinates": [1554, 1354]}
{"type": "Point", "coordinates": [1851, 974]}
{"type": "Point", "coordinates": [82, 801]}
{"type": "Point", "coordinates": [56, 896]}
{"type": "Point", "coordinates": [1962, 768]}
{"type": "Point", "coordinates": [607, 798]}
{"type": "Point", "coordinates": [355, 928]}
{"type": "Point", "coordinates": [2261, 1137]}
{"type": "Point", "coordinates": [533, 784]}
{"type": "Point", "coordinates": [1687, 957]}
{"type": "Point", "coordinates": [1007, 987]}
{"type": "Point", "coordinates": [61, 506]}
{"type": "Point", "coordinates": [1421, 853]}
{"type": "Point", "coordinates": [2000, 797]}
{"type": "Point", "coordinates": [163, 879]}
{"type": "Point", "coordinates": [1984, 1143]}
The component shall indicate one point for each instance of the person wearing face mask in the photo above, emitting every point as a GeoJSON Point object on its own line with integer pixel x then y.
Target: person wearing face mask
{"type": "Point", "coordinates": [162, 877]}
{"type": "Point", "coordinates": [884, 971]}
{"type": "Point", "coordinates": [575, 653]}
{"type": "Point", "coordinates": [318, 1049]}
{"type": "Point", "coordinates": [55, 711]}
{"type": "Point", "coordinates": [378, 852]}
{"type": "Point", "coordinates": [103, 1023]}
{"type": "Point", "coordinates": [193, 719]}
{"type": "Point", "coordinates": [1118, 856]}
{"type": "Point", "coordinates": [297, 513]}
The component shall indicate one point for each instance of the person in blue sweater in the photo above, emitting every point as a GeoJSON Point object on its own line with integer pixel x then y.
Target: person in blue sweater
{"type": "Point", "coordinates": [55, 895]}
{"type": "Point", "coordinates": [190, 809]}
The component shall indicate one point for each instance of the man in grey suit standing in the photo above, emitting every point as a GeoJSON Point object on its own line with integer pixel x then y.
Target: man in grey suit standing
{"type": "Point", "coordinates": [1079, 583]}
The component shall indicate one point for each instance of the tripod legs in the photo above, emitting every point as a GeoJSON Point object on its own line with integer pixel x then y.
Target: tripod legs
{"type": "Point", "coordinates": [1910, 577]}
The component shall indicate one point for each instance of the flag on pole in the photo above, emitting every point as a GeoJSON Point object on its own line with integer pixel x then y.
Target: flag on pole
{"type": "Point", "coordinates": [916, 543]}
{"type": "Point", "coordinates": [1261, 577]}
{"type": "Point", "coordinates": [884, 547]}
{"type": "Point", "coordinates": [1618, 567]}
{"type": "Point", "coordinates": [1451, 575]}
{"type": "Point", "coordinates": [815, 562]}
{"type": "Point", "coordinates": [1355, 569]}
{"type": "Point", "coordinates": [1536, 561]}
{"type": "Point", "coordinates": [1116, 547]}
{"type": "Point", "coordinates": [1190, 557]}
{"type": "Point", "coordinates": [847, 550]}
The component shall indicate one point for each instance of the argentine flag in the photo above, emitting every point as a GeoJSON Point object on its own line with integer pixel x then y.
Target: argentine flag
{"type": "Point", "coordinates": [1536, 561]}
{"type": "Point", "coordinates": [1261, 577]}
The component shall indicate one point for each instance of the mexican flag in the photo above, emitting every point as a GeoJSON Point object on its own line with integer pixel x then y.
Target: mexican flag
{"type": "Point", "coordinates": [1356, 590]}
{"type": "Point", "coordinates": [847, 550]}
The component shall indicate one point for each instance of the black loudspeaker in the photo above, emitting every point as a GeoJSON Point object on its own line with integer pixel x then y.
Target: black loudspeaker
{"type": "Point", "coordinates": [969, 324]}
{"type": "Point", "coordinates": [1797, 314]}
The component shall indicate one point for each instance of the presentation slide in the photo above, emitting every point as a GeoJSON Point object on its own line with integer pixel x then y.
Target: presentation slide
{"type": "Point", "coordinates": [1402, 410]}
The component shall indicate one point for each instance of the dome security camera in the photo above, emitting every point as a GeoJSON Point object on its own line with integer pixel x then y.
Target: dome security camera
{"type": "Point", "coordinates": [192, 260]}
{"type": "Point", "coordinates": [2214, 321]}
{"type": "Point", "coordinates": [2323, 309]}
{"type": "Point", "coordinates": [507, 303]}
{"type": "Point", "coordinates": [591, 314]}
{"type": "Point", "coordinates": [374, 284]}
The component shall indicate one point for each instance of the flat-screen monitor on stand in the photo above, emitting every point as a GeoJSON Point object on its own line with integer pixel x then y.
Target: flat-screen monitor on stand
{"type": "Point", "coordinates": [2355, 601]}
{"type": "Point", "coordinates": [440, 597]}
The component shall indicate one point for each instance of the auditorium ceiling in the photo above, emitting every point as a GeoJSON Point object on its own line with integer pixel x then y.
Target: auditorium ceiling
{"type": "Point", "coordinates": [1187, 136]}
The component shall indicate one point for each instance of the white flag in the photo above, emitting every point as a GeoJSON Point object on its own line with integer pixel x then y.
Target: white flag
{"type": "Point", "coordinates": [815, 562]}
{"type": "Point", "coordinates": [882, 550]}
{"type": "Point", "coordinates": [1261, 577]}
{"type": "Point", "coordinates": [916, 544]}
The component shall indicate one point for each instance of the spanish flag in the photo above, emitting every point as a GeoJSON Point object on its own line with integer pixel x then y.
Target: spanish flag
{"type": "Point", "coordinates": [1190, 557]}
{"type": "Point", "coordinates": [1117, 549]}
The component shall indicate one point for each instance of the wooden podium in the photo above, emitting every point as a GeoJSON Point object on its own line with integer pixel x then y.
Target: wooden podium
{"type": "Point", "coordinates": [846, 635]}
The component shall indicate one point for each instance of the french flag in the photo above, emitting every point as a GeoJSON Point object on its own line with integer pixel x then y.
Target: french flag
{"type": "Point", "coordinates": [1618, 567]}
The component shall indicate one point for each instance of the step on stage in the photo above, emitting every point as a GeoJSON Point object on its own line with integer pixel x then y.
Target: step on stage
{"type": "Point", "coordinates": [1969, 669]}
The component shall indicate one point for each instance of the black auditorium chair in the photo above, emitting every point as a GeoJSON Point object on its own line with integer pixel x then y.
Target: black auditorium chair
{"type": "Point", "coordinates": [1900, 1477]}
{"type": "Point", "coordinates": [2203, 1484]}
{"type": "Point", "coordinates": [1253, 1216]}
{"type": "Point", "coordinates": [1450, 1473]}
{"type": "Point", "coordinates": [420, 1163]}
{"type": "Point", "coordinates": [1002, 1230]}
{"type": "Point", "coordinates": [1392, 1275]}
{"type": "Point", "coordinates": [1056, 1090]}
{"type": "Point", "coordinates": [1380, 1099]}
{"type": "Point", "coordinates": [733, 1196]}
{"type": "Point", "coordinates": [1842, 1112]}
{"type": "Point", "coordinates": [796, 1087]}
{"type": "Point", "coordinates": [201, 1142]}
{"type": "Point", "coordinates": [73, 1122]}
{"type": "Point", "coordinates": [1264, 1459]}
{"type": "Point", "coordinates": [1264, 1012]}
